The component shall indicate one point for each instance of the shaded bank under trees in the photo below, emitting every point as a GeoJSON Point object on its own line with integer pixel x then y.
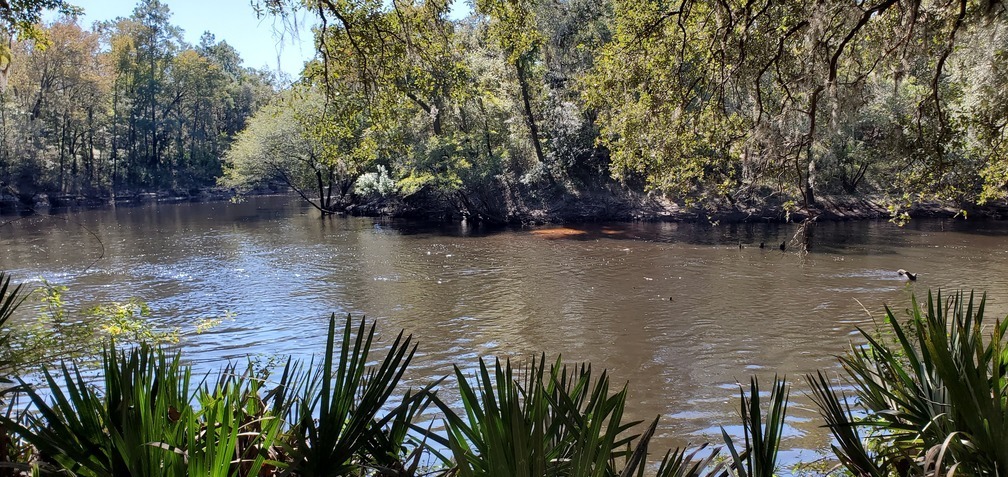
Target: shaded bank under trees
{"type": "Point", "coordinates": [525, 109]}
{"type": "Point", "coordinates": [715, 104]}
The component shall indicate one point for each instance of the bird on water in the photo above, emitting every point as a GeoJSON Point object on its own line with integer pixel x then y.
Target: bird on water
{"type": "Point", "coordinates": [909, 276]}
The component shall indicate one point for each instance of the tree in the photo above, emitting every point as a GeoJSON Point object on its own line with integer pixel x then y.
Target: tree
{"type": "Point", "coordinates": [19, 20]}
{"type": "Point", "coordinates": [157, 41]}
{"type": "Point", "coordinates": [56, 95]}
{"type": "Point", "coordinates": [316, 147]}
{"type": "Point", "coordinates": [512, 26]}
{"type": "Point", "coordinates": [726, 99]}
{"type": "Point", "coordinates": [176, 108]}
{"type": "Point", "coordinates": [129, 104]}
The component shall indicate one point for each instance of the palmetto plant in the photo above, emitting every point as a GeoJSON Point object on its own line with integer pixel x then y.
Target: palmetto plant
{"type": "Point", "coordinates": [145, 399]}
{"type": "Point", "coordinates": [233, 432]}
{"type": "Point", "coordinates": [540, 420]}
{"type": "Point", "coordinates": [696, 462]}
{"type": "Point", "coordinates": [146, 419]}
{"type": "Point", "coordinates": [339, 410]}
{"type": "Point", "coordinates": [10, 299]}
{"type": "Point", "coordinates": [933, 400]}
{"type": "Point", "coordinates": [762, 435]}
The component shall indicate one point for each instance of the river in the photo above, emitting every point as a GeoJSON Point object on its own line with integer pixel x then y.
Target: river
{"type": "Point", "coordinates": [678, 311]}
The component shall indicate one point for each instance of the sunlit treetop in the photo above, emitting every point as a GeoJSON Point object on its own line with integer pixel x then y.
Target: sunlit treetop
{"type": "Point", "coordinates": [20, 16]}
{"type": "Point", "coordinates": [19, 20]}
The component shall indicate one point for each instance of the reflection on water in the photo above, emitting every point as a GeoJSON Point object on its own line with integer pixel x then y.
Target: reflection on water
{"type": "Point", "coordinates": [679, 311]}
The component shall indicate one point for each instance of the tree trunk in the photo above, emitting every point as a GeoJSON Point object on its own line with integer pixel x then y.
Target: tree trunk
{"type": "Point", "coordinates": [62, 155]}
{"type": "Point", "coordinates": [529, 117]}
{"type": "Point", "coordinates": [808, 193]}
{"type": "Point", "coordinates": [323, 202]}
{"type": "Point", "coordinates": [431, 109]}
{"type": "Point", "coordinates": [115, 136]}
{"type": "Point", "coordinates": [808, 181]}
{"type": "Point", "coordinates": [89, 157]}
{"type": "Point", "coordinates": [4, 149]}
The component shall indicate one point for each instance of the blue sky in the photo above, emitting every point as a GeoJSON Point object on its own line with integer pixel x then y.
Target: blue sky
{"type": "Point", "coordinates": [232, 20]}
{"type": "Point", "coordinates": [258, 41]}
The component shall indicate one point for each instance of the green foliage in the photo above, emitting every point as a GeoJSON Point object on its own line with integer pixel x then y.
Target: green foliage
{"type": "Point", "coordinates": [58, 333]}
{"type": "Point", "coordinates": [539, 422]}
{"type": "Point", "coordinates": [207, 324]}
{"type": "Point", "coordinates": [127, 104]}
{"type": "Point", "coordinates": [19, 20]}
{"type": "Point", "coordinates": [147, 419]}
{"type": "Point", "coordinates": [144, 399]}
{"type": "Point", "coordinates": [716, 104]}
{"type": "Point", "coordinates": [690, 463]}
{"type": "Point", "coordinates": [933, 399]}
{"type": "Point", "coordinates": [712, 103]}
{"type": "Point", "coordinates": [10, 299]}
{"type": "Point", "coordinates": [317, 145]}
{"type": "Point", "coordinates": [439, 164]}
{"type": "Point", "coordinates": [750, 98]}
{"type": "Point", "coordinates": [338, 410]}
{"type": "Point", "coordinates": [762, 439]}
{"type": "Point", "coordinates": [842, 421]}
{"type": "Point", "coordinates": [233, 433]}
{"type": "Point", "coordinates": [129, 322]}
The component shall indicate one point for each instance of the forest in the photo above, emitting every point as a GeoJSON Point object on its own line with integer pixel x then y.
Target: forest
{"type": "Point", "coordinates": [123, 107]}
{"type": "Point", "coordinates": [525, 107]}
{"type": "Point", "coordinates": [522, 111]}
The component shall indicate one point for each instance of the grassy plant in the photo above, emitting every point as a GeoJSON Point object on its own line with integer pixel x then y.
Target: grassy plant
{"type": "Point", "coordinates": [145, 399]}
{"type": "Point", "coordinates": [690, 463]}
{"type": "Point", "coordinates": [146, 419]}
{"type": "Point", "coordinates": [10, 299]}
{"type": "Point", "coordinates": [597, 437]}
{"type": "Point", "coordinates": [841, 419]}
{"type": "Point", "coordinates": [934, 401]}
{"type": "Point", "coordinates": [233, 433]}
{"type": "Point", "coordinates": [338, 410]}
{"type": "Point", "coordinates": [530, 423]}
{"type": "Point", "coordinates": [762, 437]}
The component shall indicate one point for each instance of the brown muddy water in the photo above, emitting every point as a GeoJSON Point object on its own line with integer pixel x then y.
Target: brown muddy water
{"type": "Point", "coordinates": [678, 311]}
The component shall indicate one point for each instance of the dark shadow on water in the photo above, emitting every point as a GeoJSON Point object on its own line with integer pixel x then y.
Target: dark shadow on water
{"type": "Point", "coordinates": [847, 238]}
{"type": "Point", "coordinates": [985, 227]}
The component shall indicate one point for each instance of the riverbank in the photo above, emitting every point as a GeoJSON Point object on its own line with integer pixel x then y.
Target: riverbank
{"type": "Point", "coordinates": [621, 205]}
{"type": "Point", "coordinates": [12, 204]}
{"type": "Point", "coordinates": [610, 204]}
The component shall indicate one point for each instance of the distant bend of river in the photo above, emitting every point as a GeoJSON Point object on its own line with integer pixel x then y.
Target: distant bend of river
{"type": "Point", "coordinates": [678, 311]}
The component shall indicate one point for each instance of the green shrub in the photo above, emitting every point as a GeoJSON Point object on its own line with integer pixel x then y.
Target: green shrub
{"type": "Point", "coordinates": [931, 400]}
{"type": "Point", "coordinates": [536, 422]}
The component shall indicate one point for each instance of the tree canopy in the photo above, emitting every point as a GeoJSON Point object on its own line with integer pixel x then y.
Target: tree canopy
{"type": "Point", "coordinates": [706, 101]}
{"type": "Point", "coordinates": [529, 104]}
{"type": "Point", "coordinates": [126, 106]}
{"type": "Point", "coordinates": [821, 94]}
